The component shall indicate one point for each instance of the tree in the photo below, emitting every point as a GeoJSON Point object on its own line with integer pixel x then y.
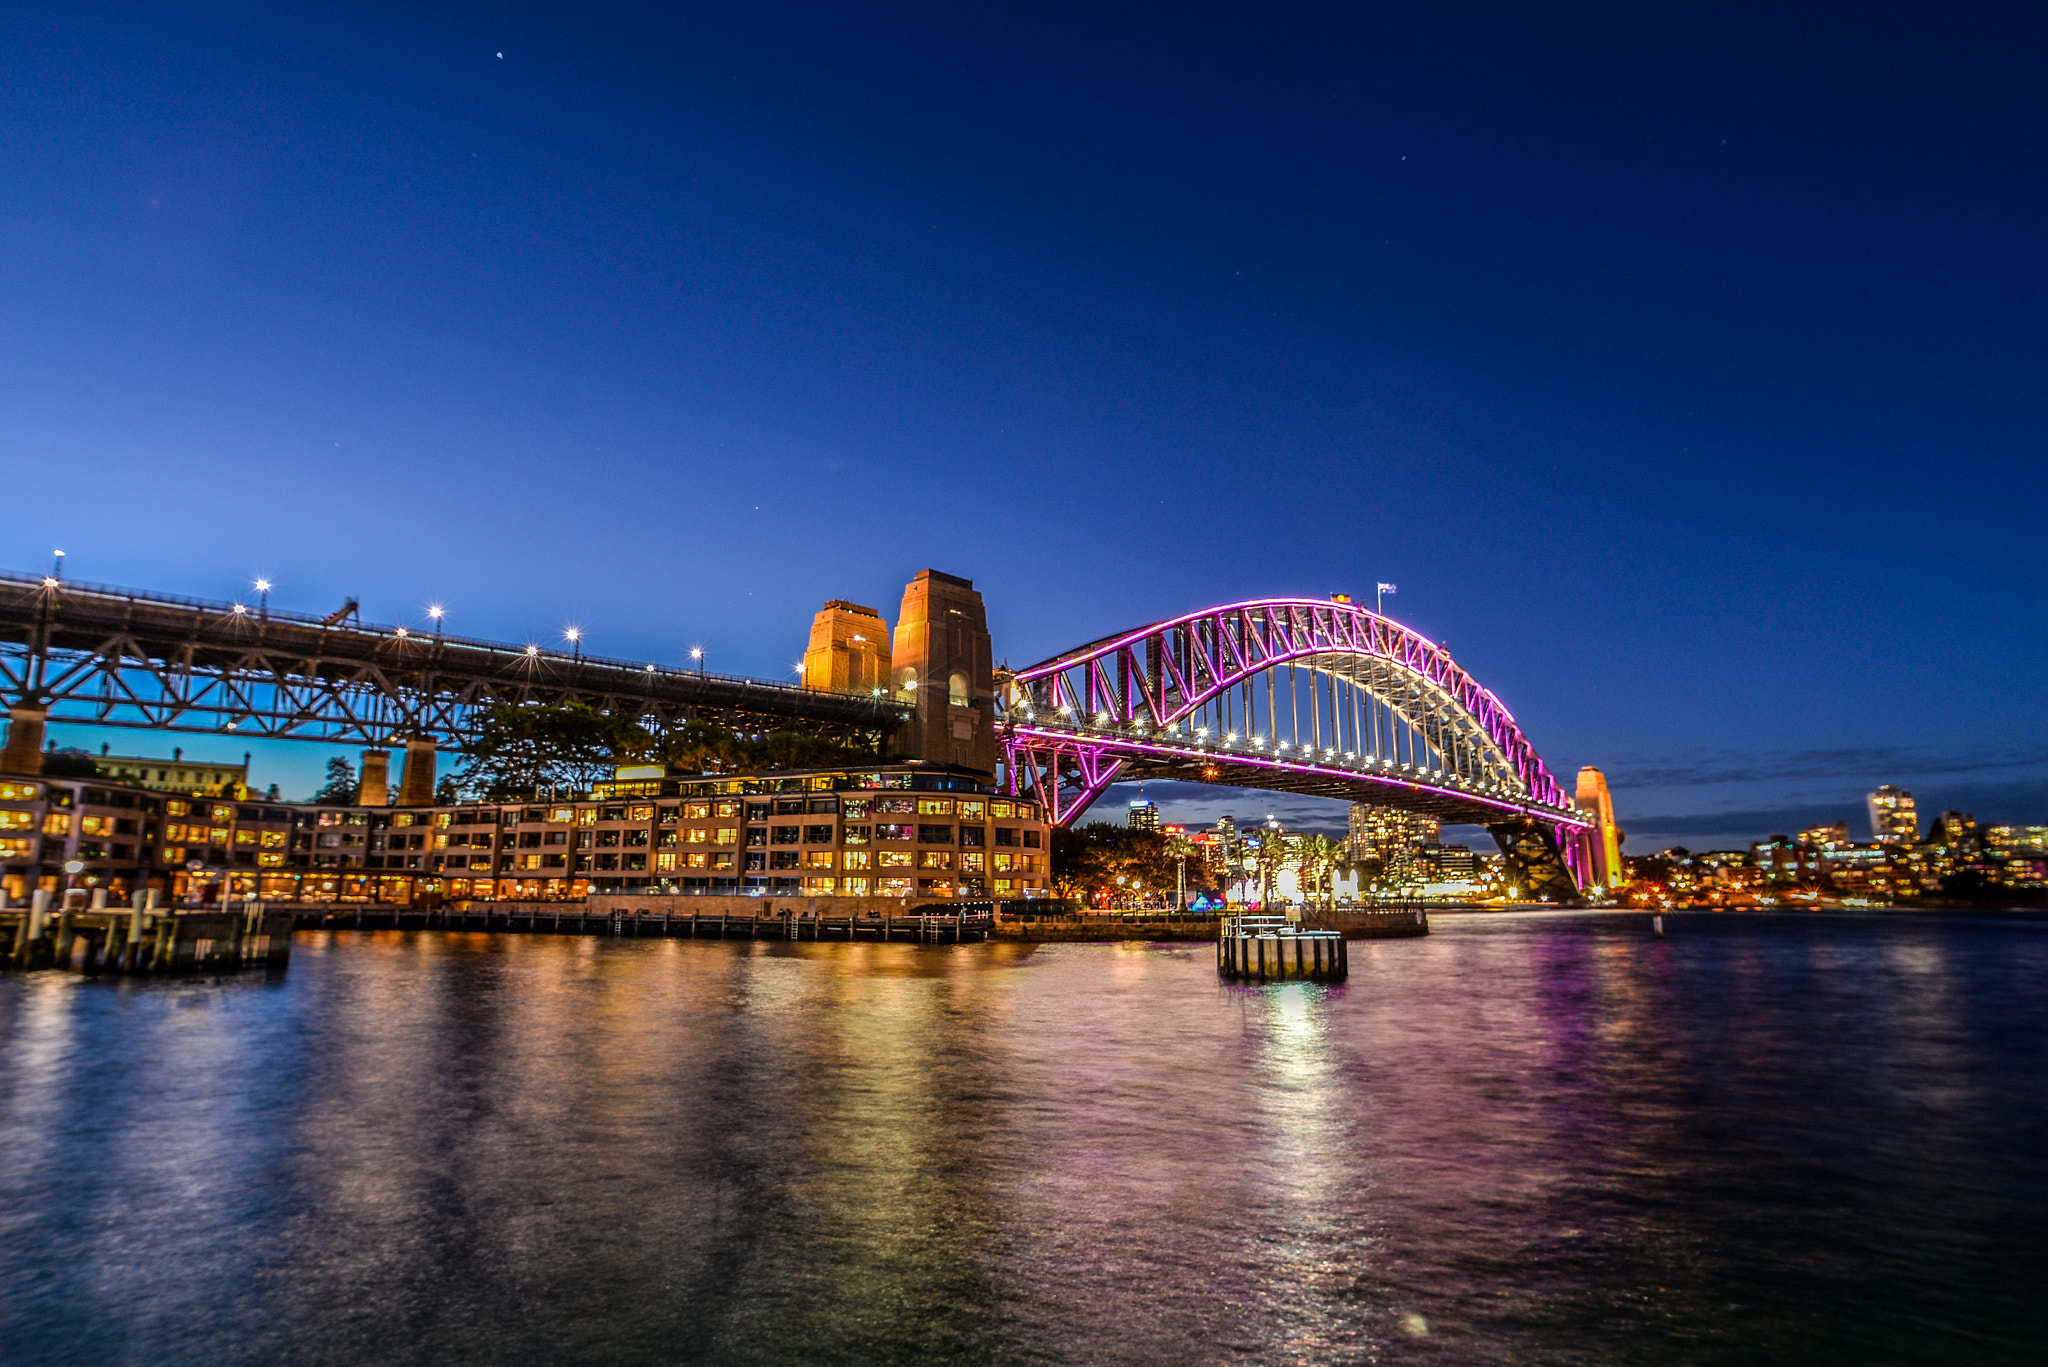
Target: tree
{"type": "Point", "coordinates": [1088, 860]}
{"type": "Point", "coordinates": [69, 764]}
{"type": "Point", "coordinates": [700, 748]}
{"type": "Point", "coordinates": [520, 749]}
{"type": "Point", "coordinates": [1270, 858]}
{"type": "Point", "coordinates": [340, 789]}
{"type": "Point", "coordinates": [446, 794]}
{"type": "Point", "coordinates": [1314, 857]}
{"type": "Point", "coordinates": [1180, 850]}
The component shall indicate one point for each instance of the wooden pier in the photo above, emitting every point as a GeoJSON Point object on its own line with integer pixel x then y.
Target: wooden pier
{"type": "Point", "coordinates": [90, 936]}
{"type": "Point", "coordinates": [1272, 949]}
{"type": "Point", "coordinates": [761, 922]}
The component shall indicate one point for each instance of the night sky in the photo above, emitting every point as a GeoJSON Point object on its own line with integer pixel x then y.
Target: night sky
{"type": "Point", "coordinates": [1684, 367]}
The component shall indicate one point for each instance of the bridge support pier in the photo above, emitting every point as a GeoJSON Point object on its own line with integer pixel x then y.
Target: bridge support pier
{"type": "Point", "coordinates": [373, 789]}
{"type": "Point", "coordinates": [416, 779]}
{"type": "Point", "coordinates": [1539, 859]}
{"type": "Point", "coordinates": [23, 753]}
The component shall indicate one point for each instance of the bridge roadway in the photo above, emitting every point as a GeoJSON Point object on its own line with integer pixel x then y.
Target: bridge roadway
{"type": "Point", "coordinates": [118, 657]}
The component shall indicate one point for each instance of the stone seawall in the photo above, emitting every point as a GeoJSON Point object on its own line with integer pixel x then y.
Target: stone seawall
{"type": "Point", "coordinates": [1055, 929]}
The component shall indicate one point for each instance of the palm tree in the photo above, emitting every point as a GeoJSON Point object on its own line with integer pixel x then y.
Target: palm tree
{"type": "Point", "coordinates": [1315, 856]}
{"type": "Point", "coordinates": [1271, 858]}
{"type": "Point", "coordinates": [1180, 849]}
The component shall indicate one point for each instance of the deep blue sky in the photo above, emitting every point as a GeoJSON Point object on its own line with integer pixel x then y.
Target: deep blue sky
{"type": "Point", "coordinates": [1683, 366]}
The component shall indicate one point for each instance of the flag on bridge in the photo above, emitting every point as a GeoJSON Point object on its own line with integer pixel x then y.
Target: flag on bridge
{"type": "Point", "coordinates": [1386, 588]}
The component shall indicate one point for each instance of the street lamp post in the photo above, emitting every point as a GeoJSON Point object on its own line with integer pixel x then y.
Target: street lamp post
{"type": "Point", "coordinates": [697, 654]}
{"type": "Point", "coordinates": [576, 642]}
{"type": "Point", "coordinates": [263, 589]}
{"type": "Point", "coordinates": [437, 612]}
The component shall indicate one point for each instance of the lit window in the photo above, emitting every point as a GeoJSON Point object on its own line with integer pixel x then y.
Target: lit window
{"type": "Point", "coordinates": [971, 863]}
{"type": "Point", "coordinates": [700, 811]}
{"type": "Point", "coordinates": [933, 806]}
{"type": "Point", "coordinates": [727, 835]}
{"type": "Point", "coordinates": [818, 859]}
{"type": "Point", "coordinates": [895, 859]}
{"type": "Point", "coordinates": [971, 811]}
{"type": "Point", "coordinates": [1001, 809]}
{"type": "Point", "coordinates": [18, 792]}
{"type": "Point", "coordinates": [854, 859]}
{"type": "Point", "coordinates": [1002, 861]}
{"type": "Point", "coordinates": [17, 821]}
{"type": "Point", "coordinates": [665, 861]}
{"type": "Point", "coordinates": [56, 823]}
{"type": "Point", "coordinates": [697, 835]}
{"type": "Point", "coordinates": [856, 887]}
{"type": "Point", "coordinates": [893, 887]}
{"type": "Point", "coordinates": [935, 859]}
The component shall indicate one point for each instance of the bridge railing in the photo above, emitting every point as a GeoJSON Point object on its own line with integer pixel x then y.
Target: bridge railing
{"type": "Point", "coordinates": [257, 617]}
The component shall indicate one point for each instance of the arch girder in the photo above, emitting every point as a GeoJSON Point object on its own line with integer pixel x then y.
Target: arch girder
{"type": "Point", "coordinates": [1164, 672]}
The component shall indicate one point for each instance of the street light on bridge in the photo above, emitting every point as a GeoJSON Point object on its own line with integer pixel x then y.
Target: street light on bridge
{"type": "Point", "coordinates": [575, 635]}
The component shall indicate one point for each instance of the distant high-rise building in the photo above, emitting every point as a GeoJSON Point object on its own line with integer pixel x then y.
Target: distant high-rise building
{"type": "Point", "coordinates": [1605, 837]}
{"type": "Point", "coordinates": [1143, 816]}
{"type": "Point", "coordinates": [1958, 831]}
{"type": "Point", "coordinates": [1399, 840]}
{"type": "Point", "coordinates": [1830, 834]}
{"type": "Point", "coordinates": [1892, 818]}
{"type": "Point", "coordinates": [1379, 831]}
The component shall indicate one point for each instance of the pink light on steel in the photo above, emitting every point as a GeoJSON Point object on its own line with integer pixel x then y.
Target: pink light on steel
{"type": "Point", "coordinates": [1035, 754]}
{"type": "Point", "coordinates": [1163, 672]}
{"type": "Point", "coordinates": [1036, 763]}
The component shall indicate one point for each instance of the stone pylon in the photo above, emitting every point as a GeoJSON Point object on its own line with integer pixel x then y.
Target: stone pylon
{"type": "Point", "coordinates": [943, 661]}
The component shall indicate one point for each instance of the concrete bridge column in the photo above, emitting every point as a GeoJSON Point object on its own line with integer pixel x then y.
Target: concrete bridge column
{"type": "Point", "coordinates": [416, 779]}
{"type": "Point", "coordinates": [373, 789]}
{"type": "Point", "coordinates": [23, 753]}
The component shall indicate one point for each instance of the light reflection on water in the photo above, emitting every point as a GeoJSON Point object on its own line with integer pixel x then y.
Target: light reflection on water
{"type": "Point", "coordinates": [1543, 1139]}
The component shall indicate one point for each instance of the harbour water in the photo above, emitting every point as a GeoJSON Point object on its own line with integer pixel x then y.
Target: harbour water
{"type": "Point", "coordinates": [1541, 1139]}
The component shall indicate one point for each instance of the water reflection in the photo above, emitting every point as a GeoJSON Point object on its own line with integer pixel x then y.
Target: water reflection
{"type": "Point", "coordinates": [1544, 1139]}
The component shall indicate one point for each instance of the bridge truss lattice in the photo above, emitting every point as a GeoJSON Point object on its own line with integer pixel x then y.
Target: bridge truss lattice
{"type": "Point", "coordinates": [1295, 695]}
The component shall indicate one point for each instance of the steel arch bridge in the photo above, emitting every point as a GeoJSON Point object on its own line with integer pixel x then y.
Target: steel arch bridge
{"type": "Point", "coordinates": [1297, 695]}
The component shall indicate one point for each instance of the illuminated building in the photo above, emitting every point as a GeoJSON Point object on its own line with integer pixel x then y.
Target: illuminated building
{"type": "Point", "coordinates": [177, 774]}
{"type": "Point", "coordinates": [902, 830]}
{"type": "Point", "coordinates": [2018, 840]}
{"type": "Point", "coordinates": [1892, 818]}
{"type": "Point", "coordinates": [1142, 816]}
{"type": "Point", "coordinates": [1957, 831]}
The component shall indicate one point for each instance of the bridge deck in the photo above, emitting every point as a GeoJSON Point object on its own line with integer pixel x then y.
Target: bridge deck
{"type": "Point", "coordinates": [124, 658]}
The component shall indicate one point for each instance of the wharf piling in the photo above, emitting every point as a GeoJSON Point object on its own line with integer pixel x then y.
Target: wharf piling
{"type": "Point", "coordinates": [88, 936]}
{"type": "Point", "coordinates": [1271, 949]}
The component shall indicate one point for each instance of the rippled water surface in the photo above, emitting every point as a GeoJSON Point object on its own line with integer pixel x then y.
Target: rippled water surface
{"type": "Point", "coordinates": [1531, 1139]}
